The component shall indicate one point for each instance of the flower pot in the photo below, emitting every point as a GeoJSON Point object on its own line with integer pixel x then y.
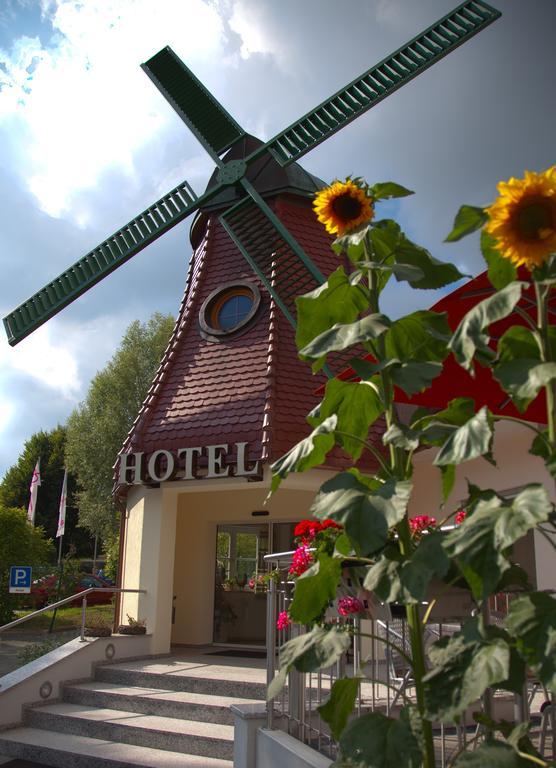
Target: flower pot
{"type": "Point", "coordinates": [97, 632]}
{"type": "Point", "coordinates": [126, 629]}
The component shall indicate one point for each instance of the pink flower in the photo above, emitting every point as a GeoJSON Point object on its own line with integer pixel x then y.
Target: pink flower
{"type": "Point", "coordinates": [283, 621]}
{"type": "Point", "coordinates": [301, 560]}
{"type": "Point", "coordinates": [347, 605]}
{"type": "Point", "coordinates": [461, 514]}
{"type": "Point", "coordinates": [421, 523]}
{"type": "Point", "coordinates": [251, 583]}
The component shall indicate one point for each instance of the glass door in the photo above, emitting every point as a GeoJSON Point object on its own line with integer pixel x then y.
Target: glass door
{"type": "Point", "coordinates": [239, 591]}
{"type": "Point", "coordinates": [239, 598]}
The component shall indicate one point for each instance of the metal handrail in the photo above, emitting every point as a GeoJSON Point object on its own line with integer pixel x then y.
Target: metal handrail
{"type": "Point", "coordinates": [70, 599]}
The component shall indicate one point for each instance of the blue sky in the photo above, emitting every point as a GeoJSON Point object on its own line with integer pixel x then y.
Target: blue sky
{"type": "Point", "coordinates": [86, 142]}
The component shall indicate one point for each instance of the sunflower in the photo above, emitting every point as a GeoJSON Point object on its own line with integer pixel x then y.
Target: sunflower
{"type": "Point", "coordinates": [523, 218]}
{"type": "Point", "coordinates": [342, 206]}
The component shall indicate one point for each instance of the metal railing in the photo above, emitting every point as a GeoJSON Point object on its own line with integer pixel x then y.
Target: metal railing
{"type": "Point", "coordinates": [381, 657]}
{"type": "Point", "coordinates": [70, 599]}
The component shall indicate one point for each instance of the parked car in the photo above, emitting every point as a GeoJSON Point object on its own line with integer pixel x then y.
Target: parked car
{"type": "Point", "coordinates": [43, 591]}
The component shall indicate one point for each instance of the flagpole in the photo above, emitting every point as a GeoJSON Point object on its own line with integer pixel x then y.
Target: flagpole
{"type": "Point", "coordinates": [60, 535]}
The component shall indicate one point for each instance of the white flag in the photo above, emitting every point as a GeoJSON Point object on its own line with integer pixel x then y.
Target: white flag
{"type": "Point", "coordinates": [62, 510]}
{"type": "Point", "coordinates": [34, 489]}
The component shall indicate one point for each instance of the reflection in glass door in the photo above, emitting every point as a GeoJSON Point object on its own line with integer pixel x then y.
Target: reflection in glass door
{"type": "Point", "coordinates": [239, 595]}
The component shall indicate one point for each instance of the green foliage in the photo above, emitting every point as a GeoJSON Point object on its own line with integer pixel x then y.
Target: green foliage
{"type": "Point", "coordinates": [339, 705]}
{"type": "Point", "coordinates": [366, 516]}
{"type": "Point", "coordinates": [468, 219]}
{"type": "Point", "coordinates": [532, 621]}
{"type": "Point", "coordinates": [315, 589]}
{"type": "Point", "coordinates": [470, 340]}
{"type": "Point", "coordinates": [14, 488]}
{"type": "Point", "coordinates": [319, 648]}
{"type": "Point", "coordinates": [20, 544]}
{"type": "Point", "coordinates": [97, 428]}
{"type": "Point", "coordinates": [411, 561]}
{"type": "Point", "coordinates": [381, 741]}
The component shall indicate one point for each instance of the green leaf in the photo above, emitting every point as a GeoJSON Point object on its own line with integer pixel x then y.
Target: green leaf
{"type": "Point", "coordinates": [478, 544]}
{"type": "Point", "coordinates": [501, 271]}
{"type": "Point", "coordinates": [336, 301]}
{"type": "Point", "coordinates": [394, 580]}
{"type": "Point", "coordinates": [356, 406]}
{"type": "Point", "coordinates": [524, 379]}
{"type": "Point", "coordinates": [401, 436]}
{"type": "Point", "coordinates": [365, 514]}
{"type": "Point", "coordinates": [315, 588]}
{"type": "Point", "coordinates": [421, 336]}
{"type": "Point", "coordinates": [469, 338]}
{"type": "Point", "coordinates": [385, 236]}
{"type": "Point", "coordinates": [386, 190]}
{"type": "Point", "coordinates": [541, 447]}
{"type": "Point", "coordinates": [338, 707]}
{"type": "Point", "coordinates": [530, 507]}
{"type": "Point", "coordinates": [532, 621]}
{"type": "Point", "coordinates": [353, 244]}
{"type": "Point", "coordinates": [473, 545]}
{"type": "Point", "coordinates": [448, 479]}
{"type": "Point", "coordinates": [321, 647]}
{"type": "Point", "coordinates": [436, 428]}
{"type": "Point", "coordinates": [377, 741]}
{"type": "Point", "coordinates": [414, 377]}
{"type": "Point", "coordinates": [492, 754]}
{"type": "Point", "coordinates": [546, 273]}
{"type": "Point", "coordinates": [519, 368]}
{"type": "Point", "coordinates": [435, 274]}
{"type": "Point", "coordinates": [341, 336]}
{"type": "Point", "coordinates": [465, 665]}
{"type": "Point", "coordinates": [306, 454]}
{"type": "Point", "coordinates": [468, 219]}
{"type": "Point", "coordinates": [469, 441]}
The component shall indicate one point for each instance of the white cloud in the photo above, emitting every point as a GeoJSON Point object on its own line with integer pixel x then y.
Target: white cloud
{"type": "Point", "coordinates": [87, 106]}
{"type": "Point", "coordinates": [249, 20]}
{"type": "Point", "coordinates": [46, 361]}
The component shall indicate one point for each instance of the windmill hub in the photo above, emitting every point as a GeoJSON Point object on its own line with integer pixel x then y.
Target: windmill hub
{"type": "Point", "coordinates": [232, 172]}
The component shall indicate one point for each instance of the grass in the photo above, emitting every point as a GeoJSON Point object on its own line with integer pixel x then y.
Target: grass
{"type": "Point", "coordinates": [67, 617]}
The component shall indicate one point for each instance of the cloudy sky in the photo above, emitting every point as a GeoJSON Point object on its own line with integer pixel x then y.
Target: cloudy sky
{"type": "Point", "coordinates": [86, 142]}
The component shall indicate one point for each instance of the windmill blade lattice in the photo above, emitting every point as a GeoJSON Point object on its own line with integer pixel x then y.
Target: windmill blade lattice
{"type": "Point", "coordinates": [105, 258]}
{"type": "Point", "coordinates": [380, 81]}
{"type": "Point", "coordinates": [206, 118]}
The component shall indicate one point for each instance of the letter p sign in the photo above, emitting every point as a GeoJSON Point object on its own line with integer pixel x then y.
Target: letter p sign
{"type": "Point", "coordinates": [20, 578]}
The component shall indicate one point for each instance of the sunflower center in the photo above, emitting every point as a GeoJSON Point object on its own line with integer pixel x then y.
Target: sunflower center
{"type": "Point", "coordinates": [534, 218]}
{"type": "Point", "coordinates": [346, 207]}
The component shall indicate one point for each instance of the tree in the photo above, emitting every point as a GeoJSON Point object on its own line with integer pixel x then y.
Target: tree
{"type": "Point", "coordinates": [14, 488]}
{"type": "Point", "coordinates": [98, 427]}
{"type": "Point", "coordinates": [20, 544]}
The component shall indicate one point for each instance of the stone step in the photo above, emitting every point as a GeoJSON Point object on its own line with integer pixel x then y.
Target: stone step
{"type": "Point", "coordinates": [66, 750]}
{"type": "Point", "coordinates": [162, 733]}
{"type": "Point", "coordinates": [234, 681]}
{"type": "Point", "coordinates": [155, 701]}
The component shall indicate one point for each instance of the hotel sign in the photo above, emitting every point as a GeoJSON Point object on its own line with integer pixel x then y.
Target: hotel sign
{"type": "Point", "coordinates": [182, 464]}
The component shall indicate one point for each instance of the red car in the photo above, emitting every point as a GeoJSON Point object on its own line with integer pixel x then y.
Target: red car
{"type": "Point", "coordinates": [44, 590]}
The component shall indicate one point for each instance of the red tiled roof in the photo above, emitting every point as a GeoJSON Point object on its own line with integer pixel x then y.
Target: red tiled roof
{"type": "Point", "coordinates": [248, 387]}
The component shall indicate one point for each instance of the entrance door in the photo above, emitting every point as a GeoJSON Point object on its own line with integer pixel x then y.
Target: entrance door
{"type": "Point", "coordinates": [240, 607]}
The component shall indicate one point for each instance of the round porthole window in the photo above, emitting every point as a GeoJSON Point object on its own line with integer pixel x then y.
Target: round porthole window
{"type": "Point", "coordinates": [229, 309]}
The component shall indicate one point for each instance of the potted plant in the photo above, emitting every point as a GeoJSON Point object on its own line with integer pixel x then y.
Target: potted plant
{"type": "Point", "coordinates": [229, 585]}
{"type": "Point", "coordinates": [97, 626]}
{"type": "Point", "coordinates": [133, 626]}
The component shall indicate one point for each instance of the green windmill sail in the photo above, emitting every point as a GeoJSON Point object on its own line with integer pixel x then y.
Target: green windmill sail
{"type": "Point", "coordinates": [252, 225]}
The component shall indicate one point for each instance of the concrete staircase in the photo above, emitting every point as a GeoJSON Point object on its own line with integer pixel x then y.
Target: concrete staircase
{"type": "Point", "coordinates": [171, 712]}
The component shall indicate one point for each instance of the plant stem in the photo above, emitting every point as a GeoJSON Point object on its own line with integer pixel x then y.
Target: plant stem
{"type": "Point", "coordinates": [400, 470]}
{"type": "Point", "coordinates": [542, 293]}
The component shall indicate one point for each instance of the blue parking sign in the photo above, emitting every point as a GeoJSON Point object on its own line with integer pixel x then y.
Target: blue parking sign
{"type": "Point", "coordinates": [20, 578]}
